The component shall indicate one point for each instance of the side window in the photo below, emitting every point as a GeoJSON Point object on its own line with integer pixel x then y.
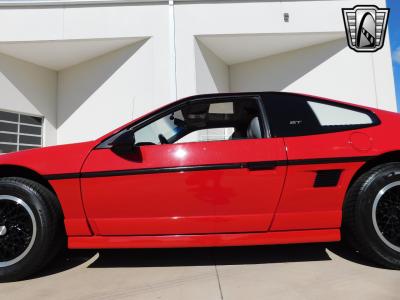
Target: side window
{"type": "Point", "coordinates": [208, 120]}
{"type": "Point", "coordinates": [162, 129]}
{"type": "Point", "coordinates": [295, 115]}
{"type": "Point", "coordinates": [330, 115]}
{"type": "Point", "coordinates": [208, 135]}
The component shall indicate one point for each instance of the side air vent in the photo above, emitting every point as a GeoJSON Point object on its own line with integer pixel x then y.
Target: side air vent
{"type": "Point", "coordinates": [326, 178]}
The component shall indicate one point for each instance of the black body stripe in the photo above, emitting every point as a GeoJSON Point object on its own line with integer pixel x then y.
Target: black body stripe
{"type": "Point", "coordinates": [252, 166]}
{"type": "Point", "coordinates": [264, 165]}
{"type": "Point", "coordinates": [62, 176]}
{"type": "Point", "coordinates": [162, 170]}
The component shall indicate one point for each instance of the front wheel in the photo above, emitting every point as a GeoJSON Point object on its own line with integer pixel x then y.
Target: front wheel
{"type": "Point", "coordinates": [29, 227]}
{"type": "Point", "coordinates": [371, 215]}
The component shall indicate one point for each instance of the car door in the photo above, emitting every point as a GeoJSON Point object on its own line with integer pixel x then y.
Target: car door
{"type": "Point", "coordinates": [327, 142]}
{"type": "Point", "coordinates": [183, 188]}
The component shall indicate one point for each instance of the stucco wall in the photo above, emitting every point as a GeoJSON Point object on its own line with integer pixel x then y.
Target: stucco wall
{"type": "Point", "coordinates": [101, 94]}
{"type": "Point", "coordinates": [212, 74]}
{"type": "Point", "coordinates": [330, 69]}
{"type": "Point", "coordinates": [84, 101]}
{"type": "Point", "coordinates": [31, 89]}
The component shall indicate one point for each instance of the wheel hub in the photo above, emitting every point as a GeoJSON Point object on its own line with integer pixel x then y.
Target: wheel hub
{"type": "Point", "coordinates": [17, 230]}
{"type": "Point", "coordinates": [3, 230]}
{"type": "Point", "coordinates": [386, 215]}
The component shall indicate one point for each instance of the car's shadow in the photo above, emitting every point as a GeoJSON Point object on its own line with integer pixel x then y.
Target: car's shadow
{"type": "Point", "coordinates": [201, 256]}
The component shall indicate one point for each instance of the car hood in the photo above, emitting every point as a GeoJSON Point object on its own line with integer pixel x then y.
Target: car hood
{"type": "Point", "coordinates": [51, 160]}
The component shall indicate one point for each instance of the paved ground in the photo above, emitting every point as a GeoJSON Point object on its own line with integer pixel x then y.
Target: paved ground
{"type": "Point", "coordinates": [320, 271]}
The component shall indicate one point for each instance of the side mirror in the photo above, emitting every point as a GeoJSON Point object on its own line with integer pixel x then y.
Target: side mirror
{"type": "Point", "coordinates": [124, 141]}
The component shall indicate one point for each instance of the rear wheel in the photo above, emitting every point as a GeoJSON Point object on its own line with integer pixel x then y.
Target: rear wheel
{"type": "Point", "coordinates": [371, 215]}
{"type": "Point", "coordinates": [30, 227]}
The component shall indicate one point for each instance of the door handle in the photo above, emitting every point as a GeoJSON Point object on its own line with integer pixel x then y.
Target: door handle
{"type": "Point", "coordinates": [261, 165]}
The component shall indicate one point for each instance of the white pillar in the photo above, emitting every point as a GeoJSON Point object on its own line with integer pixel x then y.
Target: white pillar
{"type": "Point", "coordinates": [173, 83]}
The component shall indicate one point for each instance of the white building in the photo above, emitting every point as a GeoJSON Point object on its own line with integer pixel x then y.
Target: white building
{"type": "Point", "coordinates": [89, 66]}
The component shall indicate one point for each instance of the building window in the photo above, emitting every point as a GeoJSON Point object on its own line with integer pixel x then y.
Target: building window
{"type": "Point", "coordinates": [20, 132]}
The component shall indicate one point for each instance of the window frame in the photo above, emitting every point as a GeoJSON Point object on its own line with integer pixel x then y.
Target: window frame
{"type": "Point", "coordinates": [265, 129]}
{"type": "Point", "coordinates": [305, 98]}
{"type": "Point", "coordinates": [18, 133]}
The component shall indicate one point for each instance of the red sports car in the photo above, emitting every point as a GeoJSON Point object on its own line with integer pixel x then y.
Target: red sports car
{"type": "Point", "coordinates": [209, 171]}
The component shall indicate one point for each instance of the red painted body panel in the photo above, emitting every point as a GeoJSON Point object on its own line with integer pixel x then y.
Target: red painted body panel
{"type": "Point", "coordinates": [59, 160]}
{"type": "Point", "coordinates": [304, 206]}
{"type": "Point", "coordinates": [206, 240]}
{"type": "Point", "coordinates": [220, 207]}
{"type": "Point", "coordinates": [69, 193]}
{"type": "Point", "coordinates": [228, 200]}
{"type": "Point", "coordinates": [51, 160]}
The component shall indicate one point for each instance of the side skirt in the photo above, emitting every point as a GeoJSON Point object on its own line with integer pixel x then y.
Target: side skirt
{"type": "Point", "coordinates": [205, 240]}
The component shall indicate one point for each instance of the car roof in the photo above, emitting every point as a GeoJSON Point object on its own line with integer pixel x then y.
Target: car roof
{"type": "Point", "coordinates": [265, 93]}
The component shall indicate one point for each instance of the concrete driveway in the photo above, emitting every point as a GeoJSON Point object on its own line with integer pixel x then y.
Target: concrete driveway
{"type": "Point", "coordinates": [319, 271]}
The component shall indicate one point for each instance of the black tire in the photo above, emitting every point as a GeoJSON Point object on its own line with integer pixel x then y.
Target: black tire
{"type": "Point", "coordinates": [47, 219]}
{"type": "Point", "coordinates": [360, 214]}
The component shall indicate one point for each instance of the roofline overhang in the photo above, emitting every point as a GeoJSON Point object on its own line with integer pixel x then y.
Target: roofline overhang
{"type": "Point", "coordinates": [64, 3]}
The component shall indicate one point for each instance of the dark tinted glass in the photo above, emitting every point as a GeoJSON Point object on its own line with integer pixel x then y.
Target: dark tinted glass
{"type": "Point", "coordinates": [8, 127]}
{"type": "Point", "coordinates": [31, 120]}
{"type": "Point", "coordinates": [26, 147]}
{"type": "Point", "coordinates": [291, 115]}
{"type": "Point", "coordinates": [8, 138]}
{"type": "Point", "coordinates": [26, 139]}
{"type": "Point", "coordinates": [7, 148]}
{"type": "Point", "coordinates": [30, 129]}
{"type": "Point", "coordinates": [26, 130]}
{"type": "Point", "coordinates": [6, 116]}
